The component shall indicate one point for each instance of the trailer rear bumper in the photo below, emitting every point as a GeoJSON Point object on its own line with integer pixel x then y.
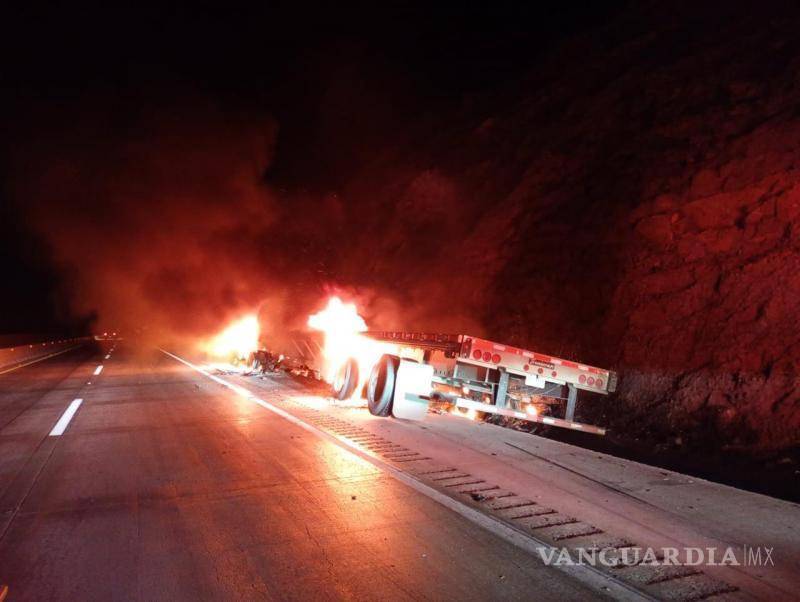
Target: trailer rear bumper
{"type": "Point", "coordinates": [469, 404]}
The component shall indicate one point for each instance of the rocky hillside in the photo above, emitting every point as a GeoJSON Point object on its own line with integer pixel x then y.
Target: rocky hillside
{"type": "Point", "coordinates": [635, 202]}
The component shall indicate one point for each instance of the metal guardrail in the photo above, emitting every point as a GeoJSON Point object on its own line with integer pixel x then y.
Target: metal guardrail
{"type": "Point", "coordinates": [18, 355]}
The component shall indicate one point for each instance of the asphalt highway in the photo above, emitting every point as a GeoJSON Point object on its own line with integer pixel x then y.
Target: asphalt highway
{"type": "Point", "coordinates": [159, 484]}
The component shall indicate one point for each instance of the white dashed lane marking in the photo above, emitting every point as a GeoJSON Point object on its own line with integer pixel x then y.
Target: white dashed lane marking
{"type": "Point", "coordinates": [63, 422]}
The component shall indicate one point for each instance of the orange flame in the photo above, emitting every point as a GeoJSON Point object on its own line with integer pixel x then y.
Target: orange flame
{"type": "Point", "coordinates": [343, 326]}
{"type": "Point", "coordinates": [239, 338]}
{"type": "Point", "coordinates": [469, 414]}
{"type": "Point", "coordinates": [338, 319]}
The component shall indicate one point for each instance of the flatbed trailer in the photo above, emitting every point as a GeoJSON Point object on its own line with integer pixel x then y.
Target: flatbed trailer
{"type": "Point", "coordinates": [473, 373]}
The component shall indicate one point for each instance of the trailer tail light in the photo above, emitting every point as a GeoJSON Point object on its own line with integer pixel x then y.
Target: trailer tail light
{"type": "Point", "coordinates": [496, 358]}
{"type": "Point", "coordinates": [487, 357]}
{"type": "Point", "coordinates": [591, 381]}
{"type": "Point", "coordinates": [477, 354]}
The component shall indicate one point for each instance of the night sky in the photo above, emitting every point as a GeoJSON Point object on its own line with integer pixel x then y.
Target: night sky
{"type": "Point", "coordinates": [338, 83]}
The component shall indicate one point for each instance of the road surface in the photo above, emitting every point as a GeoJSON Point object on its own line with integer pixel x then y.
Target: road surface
{"type": "Point", "coordinates": [164, 486]}
{"type": "Point", "coordinates": [171, 481]}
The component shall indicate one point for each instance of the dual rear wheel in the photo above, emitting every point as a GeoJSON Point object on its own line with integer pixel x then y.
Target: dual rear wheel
{"type": "Point", "coordinates": [346, 380]}
{"type": "Point", "coordinates": [380, 387]}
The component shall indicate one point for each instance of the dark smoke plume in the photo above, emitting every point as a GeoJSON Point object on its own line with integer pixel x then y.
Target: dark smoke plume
{"type": "Point", "coordinates": [164, 224]}
{"type": "Point", "coordinates": [162, 220]}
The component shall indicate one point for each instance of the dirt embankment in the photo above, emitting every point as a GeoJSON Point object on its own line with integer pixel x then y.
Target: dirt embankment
{"type": "Point", "coordinates": [634, 203]}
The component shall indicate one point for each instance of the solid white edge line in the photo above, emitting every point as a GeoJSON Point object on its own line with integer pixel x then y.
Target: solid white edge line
{"type": "Point", "coordinates": [98, 370]}
{"type": "Point", "coordinates": [63, 422]}
{"type": "Point", "coordinates": [585, 574]}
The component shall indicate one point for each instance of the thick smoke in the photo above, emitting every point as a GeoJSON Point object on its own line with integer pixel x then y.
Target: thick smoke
{"type": "Point", "coordinates": [162, 221]}
{"type": "Point", "coordinates": [165, 225]}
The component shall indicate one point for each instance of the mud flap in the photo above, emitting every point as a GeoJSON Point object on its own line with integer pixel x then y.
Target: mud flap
{"type": "Point", "coordinates": [411, 390]}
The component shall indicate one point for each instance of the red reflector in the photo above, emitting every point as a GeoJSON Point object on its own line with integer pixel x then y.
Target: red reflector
{"type": "Point", "coordinates": [599, 382]}
{"type": "Point", "coordinates": [496, 358]}
{"type": "Point", "coordinates": [476, 354]}
{"type": "Point", "coordinates": [555, 373]}
{"type": "Point", "coordinates": [582, 378]}
{"type": "Point", "coordinates": [526, 367]}
{"type": "Point", "coordinates": [541, 371]}
{"type": "Point", "coordinates": [591, 381]}
{"type": "Point", "coordinates": [487, 356]}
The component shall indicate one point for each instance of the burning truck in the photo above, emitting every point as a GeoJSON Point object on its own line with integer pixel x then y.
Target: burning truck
{"type": "Point", "coordinates": [403, 373]}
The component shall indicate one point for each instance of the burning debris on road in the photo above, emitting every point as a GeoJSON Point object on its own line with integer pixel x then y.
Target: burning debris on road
{"type": "Point", "coordinates": [236, 342]}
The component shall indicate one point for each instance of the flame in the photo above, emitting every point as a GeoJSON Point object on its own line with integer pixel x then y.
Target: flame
{"type": "Point", "coordinates": [342, 326]}
{"type": "Point", "coordinates": [240, 338]}
{"type": "Point", "coordinates": [338, 319]}
{"type": "Point", "coordinates": [469, 413]}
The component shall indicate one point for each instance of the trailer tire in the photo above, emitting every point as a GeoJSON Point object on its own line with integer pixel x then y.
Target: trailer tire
{"type": "Point", "coordinates": [346, 380]}
{"type": "Point", "coordinates": [380, 388]}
